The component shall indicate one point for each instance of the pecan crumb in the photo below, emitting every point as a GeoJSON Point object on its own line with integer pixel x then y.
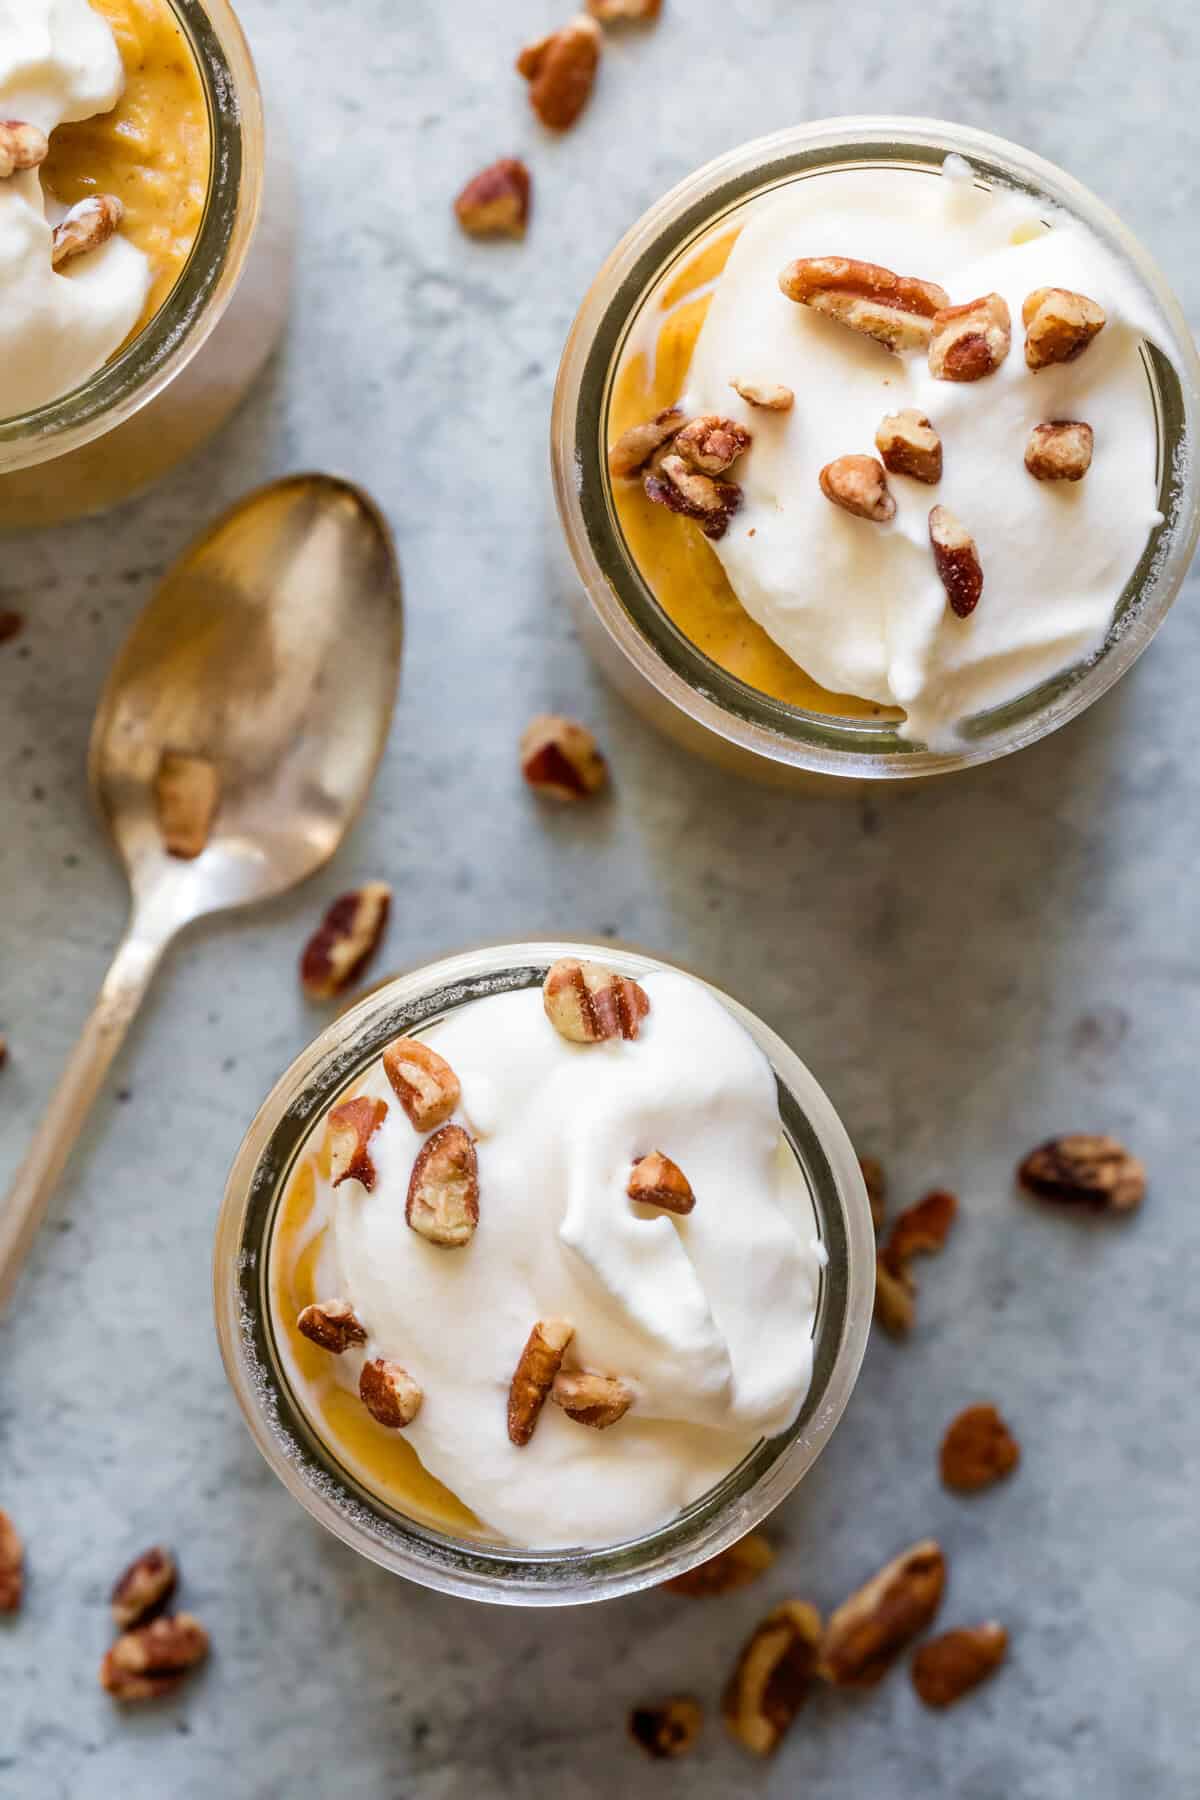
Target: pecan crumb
{"type": "Point", "coordinates": [971, 341]}
{"type": "Point", "coordinates": [1060, 450]}
{"type": "Point", "coordinates": [921, 1230]}
{"type": "Point", "coordinates": [561, 71]}
{"type": "Point", "coordinates": [909, 445]}
{"type": "Point", "coordinates": [868, 1631]}
{"type": "Point", "coordinates": [89, 224]}
{"type": "Point", "coordinates": [770, 396]}
{"type": "Point", "coordinates": [12, 1565]}
{"type": "Point", "coordinates": [773, 1676]}
{"type": "Point", "coordinates": [443, 1190]}
{"type": "Point", "coordinates": [977, 1450]}
{"type": "Point", "coordinates": [956, 556]}
{"type": "Point", "coordinates": [422, 1081]}
{"type": "Point", "coordinates": [1059, 326]}
{"type": "Point", "coordinates": [711, 444]}
{"type": "Point", "coordinates": [187, 789]}
{"type": "Point", "coordinates": [22, 146]}
{"type": "Point", "coordinates": [587, 1002]}
{"type": "Point", "coordinates": [332, 1324]}
{"type": "Point", "coordinates": [533, 1378]}
{"type": "Point", "coordinates": [896, 310]}
{"type": "Point", "coordinates": [858, 484]}
{"type": "Point", "coordinates": [729, 1570]}
{"type": "Point", "coordinates": [1087, 1168]}
{"type": "Point", "coordinates": [624, 12]}
{"type": "Point", "coordinates": [152, 1660]}
{"type": "Point", "coordinates": [631, 452]}
{"type": "Point", "coordinates": [561, 759]}
{"type": "Point", "coordinates": [947, 1667]}
{"type": "Point", "coordinates": [11, 624]}
{"type": "Point", "coordinates": [673, 483]}
{"type": "Point", "coordinates": [495, 203]}
{"type": "Point", "coordinates": [351, 1127]}
{"type": "Point", "coordinates": [144, 1589]}
{"type": "Point", "coordinates": [345, 941]}
{"type": "Point", "coordinates": [669, 1729]}
{"type": "Point", "coordinates": [595, 1400]}
{"type": "Point", "coordinates": [874, 1175]}
{"type": "Point", "coordinates": [657, 1181]}
{"type": "Point", "coordinates": [389, 1393]}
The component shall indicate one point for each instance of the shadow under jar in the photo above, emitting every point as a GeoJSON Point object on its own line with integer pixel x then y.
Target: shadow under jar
{"type": "Point", "coordinates": [410, 1525]}
{"type": "Point", "coordinates": [174, 382]}
{"type": "Point", "coordinates": [667, 265]}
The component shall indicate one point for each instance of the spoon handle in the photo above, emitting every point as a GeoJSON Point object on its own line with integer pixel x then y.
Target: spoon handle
{"type": "Point", "coordinates": [137, 957]}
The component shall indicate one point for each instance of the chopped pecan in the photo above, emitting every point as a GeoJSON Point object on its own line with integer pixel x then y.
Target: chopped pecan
{"type": "Point", "coordinates": [1093, 1170]}
{"type": "Point", "coordinates": [3, 1049]}
{"type": "Point", "coordinates": [1059, 326]}
{"type": "Point", "coordinates": [495, 203]}
{"type": "Point", "coordinates": [595, 1400]}
{"type": "Point", "coordinates": [956, 555]}
{"type": "Point", "coordinates": [858, 485]}
{"type": "Point", "coordinates": [909, 445]}
{"type": "Point", "coordinates": [561, 71]}
{"type": "Point", "coordinates": [143, 1590]}
{"type": "Point", "coordinates": [443, 1190]}
{"type": "Point", "coordinates": [711, 444]}
{"type": "Point", "coordinates": [669, 1729]}
{"type": "Point", "coordinates": [12, 1565]}
{"type": "Point", "coordinates": [89, 224]}
{"type": "Point", "coordinates": [623, 12]}
{"type": "Point", "coordinates": [870, 1629]}
{"type": "Point", "coordinates": [422, 1081]}
{"type": "Point", "coordinates": [773, 1676]}
{"type": "Point", "coordinates": [876, 1179]}
{"type": "Point", "coordinates": [1060, 450]}
{"type": "Point", "coordinates": [729, 1570]}
{"type": "Point", "coordinates": [771, 396]}
{"type": "Point", "coordinates": [921, 1230]}
{"type": "Point", "coordinates": [345, 941]}
{"type": "Point", "coordinates": [533, 1378]}
{"type": "Point", "coordinates": [634, 448]}
{"type": "Point", "coordinates": [153, 1659]}
{"type": "Point", "coordinates": [657, 1181]}
{"type": "Point", "coordinates": [22, 146]}
{"type": "Point", "coordinates": [895, 1298]}
{"type": "Point", "coordinates": [673, 483]}
{"type": "Point", "coordinates": [970, 341]}
{"type": "Point", "coordinates": [896, 310]}
{"type": "Point", "coordinates": [186, 791]}
{"type": "Point", "coordinates": [561, 759]}
{"type": "Point", "coordinates": [352, 1126]}
{"type": "Point", "coordinates": [11, 624]}
{"type": "Point", "coordinates": [977, 1450]}
{"type": "Point", "coordinates": [389, 1393]}
{"type": "Point", "coordinates": [332, 1324]}
{"type": "Point", "coordinates": [947, 1667]}
{"type": "Point", "coordinates": [587, 1002]}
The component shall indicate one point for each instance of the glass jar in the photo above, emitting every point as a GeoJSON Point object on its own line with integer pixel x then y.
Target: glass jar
{"type": "Point", "coordinates": [173, 384]}
{"type": "Point", "coordinates": [654, 664]}
{"type": "Point", "coordinates": [482, 1569]}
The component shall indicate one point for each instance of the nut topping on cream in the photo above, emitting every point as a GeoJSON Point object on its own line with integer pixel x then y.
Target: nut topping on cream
{"type": "Point", "coordinates": [352, 1126]}
{"type": "Point", "coordinates": [587, 1002]}
{"type": "Point", "coordinates": [443, 1190]}
{"type": "Point", "coordinates": [332, 1325]}
{"type": "Point", "coordinates": [422, 1081]}
{"type": "Point", "coordinates": [1060, 450]}
{"type": "Point", "coordinates": [657, 1181]}
{"type": "Point", "coordinates": [389, 1393]}
{"type": "Point", "coordinates": [595, 1400]}
{"type": "Point", "coordinates": [535, 1374]}
{"type": "Point", "coordinates": [909, 445]}
{"type": "Point", "coordinates": [957, 557]}
{"type": "Point", "coordinates": [771, 396]}
{"type": "Point", "coordinates": [896, 310]}
{"type": "Point", "coordinates": [1059, 326]}
{"type": "Point", "coordinates": [970, 341]}
{"type": "Point", "coordinates": [858, 484]}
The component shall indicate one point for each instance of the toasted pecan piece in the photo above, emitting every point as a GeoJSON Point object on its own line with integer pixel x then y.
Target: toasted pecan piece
{"type": "Point", "coordinates": [896, 310]}
{"type": "Point", "coordinates": [671, 482]}
{"type": "Point", "coordinates": [12, 1565]}
{"type": "Point", "coordinates": [1060, 450]}
{"type": "Point", "coordinates": [1085, 1168]}
{"type": "Point", "coordinates": [1059, 325]}
{"type": "Point", "coordinates": [85, 227]}
{"type": "Point", "coordinates": [533, 1378]}
{"type": "Point", "coordinates": [187, 789]}
{"type": "Point", "coordinates": [422, 1081]}
{"type": "Point", "coordinates": [495, 203]}
{"type": "Point", "coordinates": [868, 1631]}
{"type": "Point", "coordinates": [858, 484]}
{"type": "Point", "coordinates": [895, 1298]}
{"type": "Point", "coordinates": [875, 1177]}
{"type": "Point", "coordinates": [921, 1230]}
{"type": "Point", "coordinates": [657, 1181]}
{"type": "Point", "coordinates": [668, 1729]}
{"type": "Point", "coordinates": [771, 396]}
{"type": "Point", "coordinates": [22, 146]}
{"type": "Point", "coordinates": [956, 556]}
{"type": "Point", "coordinates": [144, 1588]}
{"type": "Point", "coordinates": [443, 1190]}
{"type": "Point", "coordinates": [970, 341]}
{"type": "Point", "coordinates": [11, 624]}
{"type": "Point", "coordinates": [595, 1400]}
{"type": "Point", "coordinates": [727, 1571]}
{"type": "Point", "coordinates": [634, 448]}
{"type": "Point", "coordinates": [345, 940]}
{"type": "Point", "coordinates": [587, 1002]}
{"type": "Point", "coordinates": [773, 1676]}
{"type": "Point", "coordinates": [332, 1324]}
{"type": "Point", "coordinates": [624, 12]}
{"type": "Point", "coordinates": [711, 444]}
{"type": "Point", "coordinates": [561, 71]}
{"type": "Point", "coordinates": [908, 445]}
{"type": "Point", "coordinates": [977, 1450]}
{"type": "Point", "coordinates": [351, 1127]}
{"type": "Point", "coordinates": [389, 1393]}
{"type": "Point", "coordinates": [561, 759]}
{"type": "Point", "coordinates": [152, 1660]}
{"type": "Point", "coordinates": [947, 1667]}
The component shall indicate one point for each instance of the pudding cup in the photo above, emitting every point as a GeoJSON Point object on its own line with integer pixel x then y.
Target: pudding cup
{"type": "Point", "coordinates": [483, 1568]}
{"type": "Point", "coordinates": [178, 379]}
{"type": "Point", "coordinates": [659, 670]}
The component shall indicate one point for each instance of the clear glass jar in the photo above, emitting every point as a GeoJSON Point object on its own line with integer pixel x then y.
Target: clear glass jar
{"type": "Point", "coordinates": [310, 1469]}
{"type": "Point", "coordinates": [181, 376]}
{"type": "Point", "coordinates": [654, 664]}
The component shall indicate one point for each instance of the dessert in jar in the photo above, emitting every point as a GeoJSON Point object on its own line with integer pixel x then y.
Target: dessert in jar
{"type": "Point", "coordinates": [891, 468]}
{"type": "Point", "coordinates": [556, 1285]}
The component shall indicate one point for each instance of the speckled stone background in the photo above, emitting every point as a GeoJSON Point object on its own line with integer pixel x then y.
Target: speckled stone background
{"type": "Point", "coordinates": [967, 966]}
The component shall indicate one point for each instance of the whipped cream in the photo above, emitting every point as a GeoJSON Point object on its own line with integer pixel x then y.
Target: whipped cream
{"type": "Point", "coordinates": [708, 1317]}
{"type": "Point", "coordinates": [58, 62]}
{"type": "Point", "coordinates": [859, 605]}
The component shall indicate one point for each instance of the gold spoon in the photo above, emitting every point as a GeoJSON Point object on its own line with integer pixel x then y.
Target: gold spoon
{"type": "Point", "coordinates": [271, 651]}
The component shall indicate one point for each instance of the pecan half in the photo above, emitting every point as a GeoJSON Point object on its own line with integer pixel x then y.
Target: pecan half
{"type": "Point", "coordinates": [956, 555]}
{"type": "Point", "coordinates": [352, 1126]}
{"type": "Point", "coordinates": [874, 1175]}
{"type": "Point", "coordinates": [977, 1450]}
{"type": "Point", "coordinates": [332, 1324]}
{"type": "Point", "coordinates": [1092, 1170]}
{"type": "Point", "coordinates": [186, 791]}
{"type": "Point", "coordinates": [561, 71]}
{"type": "Point", "coordinates": [12, 1565]}
{"type": "Point", "coordinates": [389, 1393]}
{"type": "Point", "coordinates": [89, 224]}
{"type": "Point", "coordinates": [895, 1298]}
{"type": "Point", "coordinates": [443, 1190]}
{"type": "Point", "coordinates": [896, 310]}
{"type": "Point", "coordinates": [1060, 450]}
{"type": "Point", "coordinates": [562, 759]}
{"type": "Point", "coordinates": [1059, 326]}
{"type": "Point", "coordinates": [22, 146]}
{"type": "Point", "coordinates": [858, 485]}
{"type": "Point", "coordinates": [586, 1002]}
{"type": "Point", "coordinates": [634, 448]}
{"type": "Point", "coordinates": [921, 1230]}
{"type": "Point", "coordinates": [728, 1571]}
{"type": "Point", "coordinates": [711, 444]}
{"type": "Point", "coordinates": [773, 1676]}
{"type": "Point", "coordinates": [624, 12]}
{"type": "Point", "coordinates": [947, 1667]}
{"type": "Point", "coordinates": [11, 624]}
{"type": "Point", "coordinates": [345, 941]}
{"type": "Point", "coordinates": [143, 1590]}
{"type": "Point", "coordinates": [673, 483]}
{"type": "Point", "coordinates": [153, 1659]}
{"type": "Point", "coordinates": [970, 341]}
{"type": "Point", "coordinates": [770, 396]}
{"type": "Point", "coordinates": [909, 445]}
{"type": "Point", "coordinates": [669, 1729]}
{"type": "Point", "coordinates": [422, 1081]}
{"type": "Point", "coordinates": [495, 203]}
{"type": "Point", "coordinates": [869, 1630]}
{"type": "Point", "coordinates": [657, 1181]}
{"type": "Point", "coordinates": [533, 1378]}
{"type": "Point", "coordinates": [595, 1400]}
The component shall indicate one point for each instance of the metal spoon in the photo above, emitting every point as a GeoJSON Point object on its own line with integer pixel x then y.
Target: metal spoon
{"type": "Point", "coordinates": [272, 648]}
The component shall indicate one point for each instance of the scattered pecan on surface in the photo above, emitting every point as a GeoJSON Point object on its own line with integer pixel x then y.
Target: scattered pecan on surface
{"type": "Point", "coordinates": [533, 1378]}
{"type": "Point", "coordinates": [970, 341]}
{"type": "Point", "coordinates": [495, 203]}
{"type": "Point", "coordinates": [22, 146]}
{"type": "Point", "coordinates": [443, 1190]}
{"type": "Point", "coordinates": [1060, 450]}
{"type": "Point", "coordinates": [422, 1081]}
{"type": "Point", "coordinates": [947, 1667]}
{"type": "Point", "coordinates": [152, 1660]}
{"type": "Point", "coordinates": [561, 759]}
{"type": "Point", "coordinates": [622, 12]}
{"type": "Point", "coordinates": [921, 1230]}
{"type": "Point", "coordinates": [351, 1128]}
{"type": "Point", "coordinates": [657, 1181]}
{"type": "Point", "coordinates": [345, 941]}
{"type": "Point", "coordinates": [1059, 326]}
{"type": "Point", "coordinates": [896, 310]}
{"type": "Point", "coordinates": [594, 1400]}
{"type": "Point", "coordinates": [145, 1587]}
{"type": "Point", "coordinates": [895, 1298]}
{"type": "Point", "coordinates": [1085, 1168]}
{"type": "Point", "coordinates": [908, 445]}
{"type": "Point", "coordinates": [977, 1450]}
{"type": "Point", "coordinates": [389, 1393]}
{"type": "Point", "coordinates": [187, 790]}
{"type": "Point", "coordinates": [875, 1176]}
{"type": "Point", "coordinates": [631, 452]}
{"type": "Point", "coordinates": [771, 396]}
{"type": "Point", "coordinates": [89, 224]}
{"type": "Point", "coordinates": [773, 1676]}
{"type": "Point", "coordinates": [868, 1631]}
{"type": "Point", "coordinates": [11, 624]}
{"type": "Point", "coordinates": [587, 1002]}
{"type": "Point", "coordinates": [332, 1324]}
{"type": "Point", "coordinates": [858, 484]}
{"type": "Point", "coordinates": [731, 1569]}
{"type": "Point", "coordinates": [956, 556]}
{"type": "Point", "coordinates": [561, 71]}
{"type": "Point", "coordinates": [12, 1565]}
{"type": "Point", "coordinates": [669, 1729]}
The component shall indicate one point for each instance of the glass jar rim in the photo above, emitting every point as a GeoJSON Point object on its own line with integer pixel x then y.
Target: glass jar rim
{"type": "Point", "coordinates": [481, 1570]}
{"type": "Point", "coordinates": [725, 709]}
